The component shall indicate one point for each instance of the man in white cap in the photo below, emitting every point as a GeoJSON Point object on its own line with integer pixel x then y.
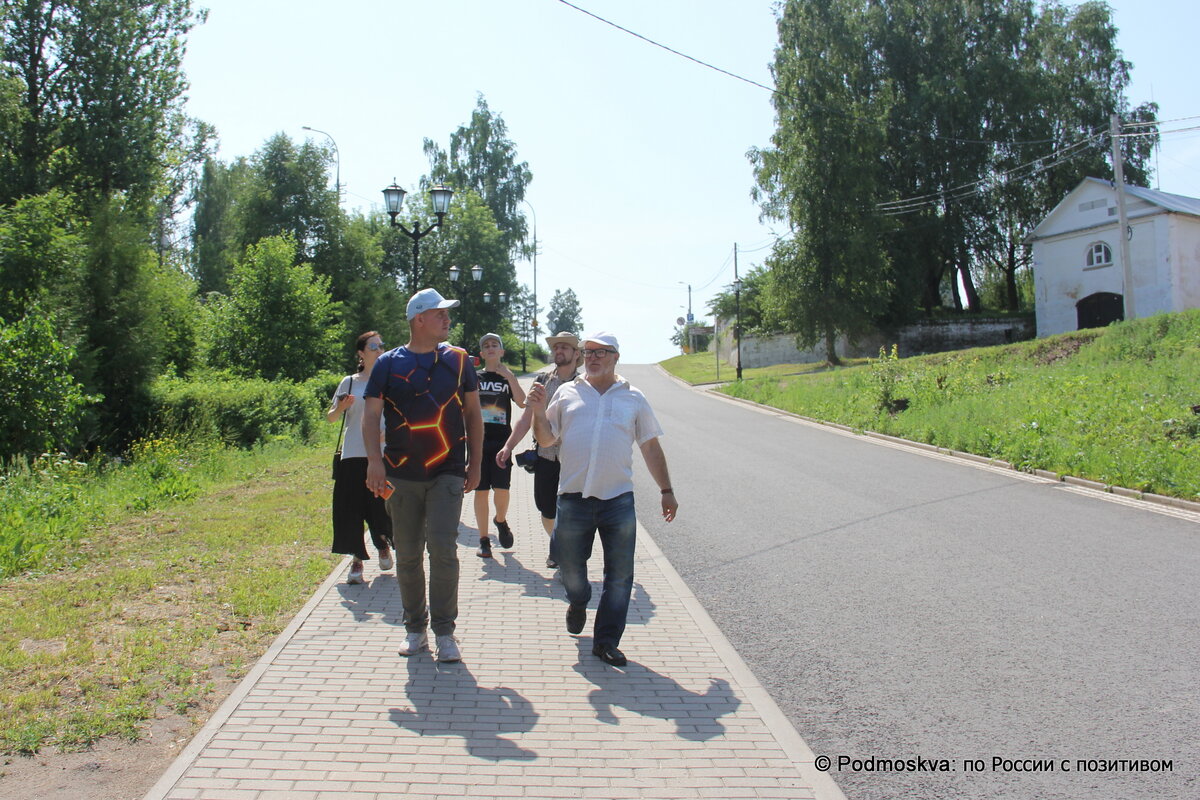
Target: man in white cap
{"type": "Point", "coordinates": [498, 390]}
{"type": "Point", "coordinates": [427, 392]}
{"type": "Point", "coordinates": [564, 351]}
{"type": "Point", "coordinates": [596, 420]}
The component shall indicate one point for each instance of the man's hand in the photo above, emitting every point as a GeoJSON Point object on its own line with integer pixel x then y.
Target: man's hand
{"type": "Point", "coordinates": [473, 476]}
{"type": "Point", "coordinates": [669, 506]}
{"type": "Point", "coordinates": [376, 477]}
{"type": "Point", "coordinates": [502, 456]}
{"type": "Point", "coordinates": [537, 397]}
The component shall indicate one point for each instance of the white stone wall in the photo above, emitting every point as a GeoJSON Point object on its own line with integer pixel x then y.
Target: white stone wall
{"type": "Point", "coordinates": [930, 336]}
{"type": "Point", "coordinates": [1184, 255]}
{"type": "Point", "coordinates": [1061, 278]}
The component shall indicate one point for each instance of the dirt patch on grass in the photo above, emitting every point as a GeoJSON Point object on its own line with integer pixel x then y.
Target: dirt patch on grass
{"type": "Point", "coordinates": [111, 769]}
{"type": "Point", "coordinates": [1058, 348]}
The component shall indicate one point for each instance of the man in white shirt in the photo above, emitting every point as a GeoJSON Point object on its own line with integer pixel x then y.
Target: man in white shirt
{"type": "Point", "coordinates": [596, 420]}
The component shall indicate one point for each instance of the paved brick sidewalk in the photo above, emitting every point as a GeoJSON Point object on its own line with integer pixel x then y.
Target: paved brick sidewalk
{"type": "Point", "coordinates": [331, 711]}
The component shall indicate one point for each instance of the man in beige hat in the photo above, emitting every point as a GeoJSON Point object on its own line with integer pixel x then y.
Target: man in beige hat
{"type": "Point", "coordinates": [564, 350]}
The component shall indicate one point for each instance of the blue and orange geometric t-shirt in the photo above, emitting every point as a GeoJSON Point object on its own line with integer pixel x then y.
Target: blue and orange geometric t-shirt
{"type": "Point", "coordinates": [423, 396]}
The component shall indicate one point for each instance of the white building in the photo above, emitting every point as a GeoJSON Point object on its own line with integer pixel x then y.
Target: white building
{"type": "Point", "coordinates": [1077, 270]}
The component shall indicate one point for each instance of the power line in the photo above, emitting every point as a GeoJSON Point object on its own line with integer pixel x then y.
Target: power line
{"type": "Point", "coordinates": [974, 187]}
{"type": "Point", "coordinates": [781, 93]}
{"type": "Point", "coordinates": [664, 47]}
{"type": "Point", "coordinates": [1157, 122]}
{"type": "Point", "coordinates": [720, 271]}
{"type": "Point", "coordinates": [1158, 133]}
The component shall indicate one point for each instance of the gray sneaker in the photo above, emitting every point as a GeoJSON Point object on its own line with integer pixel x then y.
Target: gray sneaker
{"type": "Point", "coordinates": [414, 643]}
{"type": "Point", "coordinates": [385, 560]}
{"type": "Point", "coordinates": [448, 649]}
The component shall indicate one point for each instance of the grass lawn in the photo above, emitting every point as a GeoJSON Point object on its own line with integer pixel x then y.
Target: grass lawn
{"type": "Point", "coordinates": [1119, 405]}
{"type": "Point", "coordinates": [147, 612]}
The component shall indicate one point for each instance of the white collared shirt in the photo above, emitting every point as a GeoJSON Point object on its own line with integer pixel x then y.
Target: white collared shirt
{"type": "Point", "coordinates": [597, 433]}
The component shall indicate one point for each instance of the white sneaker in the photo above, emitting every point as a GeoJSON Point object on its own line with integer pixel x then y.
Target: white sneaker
{"type": "Point", "coordinates": [385, 560]}
{"type": "Point", "coordinates": [448, 649]}
{"type": "Point", "coordinates": [356, 572]}
{"type": "Point", "coordinates": [414, 643]}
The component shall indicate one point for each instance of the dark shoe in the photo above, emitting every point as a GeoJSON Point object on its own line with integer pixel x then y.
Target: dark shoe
{"type": "Point", "coordinates": [551, 563]}
{"type": "Point", "coordinates": [576, 616]}
{"type": "Point", "coordinates": [609, 654]}
{"type": "Point", "coordinates": [485, 548]}
{"type": "Point", "coordinates": [504, 534]}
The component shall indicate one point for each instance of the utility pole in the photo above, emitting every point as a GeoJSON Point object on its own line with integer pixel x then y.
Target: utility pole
{"type": "Point", "coordinates": [737, 300]}
{"type": "Point", "coordinates": [1123, 231]}
{"type": "Point", "coordinates": [691, 321]}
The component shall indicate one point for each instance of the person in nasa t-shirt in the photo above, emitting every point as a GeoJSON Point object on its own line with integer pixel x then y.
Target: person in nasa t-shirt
{"type": "Point", "coordinates": [498, 390]}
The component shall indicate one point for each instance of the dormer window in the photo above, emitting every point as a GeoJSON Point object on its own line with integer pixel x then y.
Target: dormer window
{"type": "Point", "coordinates": [1098, 255]}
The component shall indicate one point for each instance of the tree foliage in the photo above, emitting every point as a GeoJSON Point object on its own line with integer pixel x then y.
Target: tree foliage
{"type": "Point", "coordinates": [41, 403]}
{"type": "Point", "coordinates": [749, 305]}
{"type": "Point", "coordinates": [40, 254]}
{"type": "Point", "coordinates": [278, 321]}
{"type": "Point", "coordinates": [821, 177]}
{"type": "Point", "coordinates": [99, 83]}
{"type": "Point", "coordinates": [483, 158]}
{"type": "Point", "coordinates": [918, 141]}
{"type": "Point", "coordinates": [99, 164]}
{"type": "Point", "coordinates": [565, 313]}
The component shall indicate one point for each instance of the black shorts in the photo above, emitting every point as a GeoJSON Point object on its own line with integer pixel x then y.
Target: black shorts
{"type": "Point", "coordinates": [545, 486]}
{"type": "Point", "coordinates": [490, 475]}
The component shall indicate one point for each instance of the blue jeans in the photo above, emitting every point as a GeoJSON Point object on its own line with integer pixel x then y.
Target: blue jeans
{"type": "Point", "coordinates": [578, 520]}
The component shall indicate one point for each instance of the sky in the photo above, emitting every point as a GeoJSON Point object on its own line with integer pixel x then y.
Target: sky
{"type": "Point", "coordinates": [641, 185]}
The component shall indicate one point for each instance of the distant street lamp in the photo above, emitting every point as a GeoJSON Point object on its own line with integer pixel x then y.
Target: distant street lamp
{"type": "Point", "coordinates": [337, 161]}
{"type": "Point", "coordinates": [476, 273]}
{"type": "Point", "coordinates": [393, 199]}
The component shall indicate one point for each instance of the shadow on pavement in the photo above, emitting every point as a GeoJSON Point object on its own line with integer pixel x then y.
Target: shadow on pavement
{"type": "Point", "coordinates": [651, 694]}
{"type": "Point", "coordinates": [448, 701]}
{"type": "Point", "coordinates": [377, 599]}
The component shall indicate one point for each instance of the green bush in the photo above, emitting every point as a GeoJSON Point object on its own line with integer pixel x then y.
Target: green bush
{"type": "Point", "coordinates": [41, 403]}
{"type": "Point", "coordinates": [241, 411]}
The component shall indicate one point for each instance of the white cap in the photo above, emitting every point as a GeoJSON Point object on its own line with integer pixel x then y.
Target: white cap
{"type": "Point", "coordinates": [427, 300]}
{"type": "Point", "coordinates": [602, 337]}
{"type": "Point", "coordinates": [487, 336]}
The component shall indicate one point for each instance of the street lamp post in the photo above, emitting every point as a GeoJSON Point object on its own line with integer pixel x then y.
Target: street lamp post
{"type": "Point", "coordinates": [533, 313]}
{"type": "Point", "coordinates": [393, 199]}
{"type": "Point", "coordinates": [337, 161]}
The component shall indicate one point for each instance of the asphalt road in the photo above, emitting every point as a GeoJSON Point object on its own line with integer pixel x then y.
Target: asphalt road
{"type": "Point", "coordinates": [902, 606]}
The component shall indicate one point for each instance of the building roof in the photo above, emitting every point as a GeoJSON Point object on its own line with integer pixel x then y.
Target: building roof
{"type": "Point", "coordinates": [1171, 202]}
{"type": "Point", "coordinates": [1158, 201]}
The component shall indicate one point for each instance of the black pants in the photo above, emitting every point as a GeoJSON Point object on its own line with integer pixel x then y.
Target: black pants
{"type": "Point", "coordinates": [545, 486]}
{"type": "Point", "coordinates": [353, 505]}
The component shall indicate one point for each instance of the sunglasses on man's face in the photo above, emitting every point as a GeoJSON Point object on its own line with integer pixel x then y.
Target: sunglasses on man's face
{"type": "Point", "coordinates": [599, 353]}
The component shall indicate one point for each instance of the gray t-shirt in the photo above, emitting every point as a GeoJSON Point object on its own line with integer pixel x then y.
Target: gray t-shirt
{"type": "Point", "coordinates": [552, 382]}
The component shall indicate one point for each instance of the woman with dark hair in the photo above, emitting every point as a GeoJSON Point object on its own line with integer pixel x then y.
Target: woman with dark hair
{"type": "Point", "coordinates": [353, 503]}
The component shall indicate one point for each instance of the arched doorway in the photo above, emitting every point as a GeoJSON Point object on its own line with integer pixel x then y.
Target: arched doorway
{"type": "Point", "coordinates": [1100, 309]}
